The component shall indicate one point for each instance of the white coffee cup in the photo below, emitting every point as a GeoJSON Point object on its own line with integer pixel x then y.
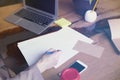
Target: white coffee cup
{"type": "Point", "coordinates": [90, 16]}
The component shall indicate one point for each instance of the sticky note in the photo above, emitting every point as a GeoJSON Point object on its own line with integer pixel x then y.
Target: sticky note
{"type": "Point", "coordinates": [63, 22]}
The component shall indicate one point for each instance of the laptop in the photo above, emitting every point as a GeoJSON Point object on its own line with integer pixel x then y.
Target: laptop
{"type": "Point", "coordinates": [36, 15]}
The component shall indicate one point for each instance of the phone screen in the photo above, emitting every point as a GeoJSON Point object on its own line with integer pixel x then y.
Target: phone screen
{"type": "Point", "coordinates": [79, 66]}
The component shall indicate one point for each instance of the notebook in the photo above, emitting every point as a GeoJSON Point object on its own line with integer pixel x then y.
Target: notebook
{"type": "Point", "coordinates": [36, 15]}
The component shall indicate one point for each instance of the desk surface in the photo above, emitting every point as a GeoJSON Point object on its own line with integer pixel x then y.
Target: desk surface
{"type": "Point", "coordinates": [107, 67]}
{"type": "Point", "coordinates": [7, 29]}
{"type": "Point", "coordinates": [66, 10]}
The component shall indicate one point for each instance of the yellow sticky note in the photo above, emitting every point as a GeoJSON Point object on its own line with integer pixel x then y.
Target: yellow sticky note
{"type": "Point", "coordinates": [63, 22]}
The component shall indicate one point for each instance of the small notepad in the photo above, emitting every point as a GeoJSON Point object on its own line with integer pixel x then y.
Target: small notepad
{"type": "Point", "coordinates": [63, 22]}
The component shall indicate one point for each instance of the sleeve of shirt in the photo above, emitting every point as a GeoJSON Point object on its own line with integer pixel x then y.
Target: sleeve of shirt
{"type": "Point", "coordinates": [31, 74]}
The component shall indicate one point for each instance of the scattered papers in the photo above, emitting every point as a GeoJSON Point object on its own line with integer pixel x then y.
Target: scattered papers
{"type": "Point", "coordinates": [115, 28]}
{"type": "Point", "coordinates": [64, 40]}
{"type": "Point", "coordinates": [63, 22]}
{"type": "Point", "coordinates": [115, 31]}
{"type": "Point", "coordinates": [89, 49]}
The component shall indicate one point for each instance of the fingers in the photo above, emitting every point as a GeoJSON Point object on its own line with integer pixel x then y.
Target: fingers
{"type": "Point", "coordinates": [50, 51]}
{"type": "Point", "coordinates": [52, 54]}
{"type": "Point", "coordinates": [49, 59]}
{"type": "Point", "coordinates": [57, 53]}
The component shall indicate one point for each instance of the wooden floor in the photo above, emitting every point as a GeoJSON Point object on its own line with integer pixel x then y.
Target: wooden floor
{"type": "Point", "coordinates": [107, 67]}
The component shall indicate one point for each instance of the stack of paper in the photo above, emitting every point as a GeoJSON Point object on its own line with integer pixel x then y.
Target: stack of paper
{"type": "Point", "coordinates": [64, 40]}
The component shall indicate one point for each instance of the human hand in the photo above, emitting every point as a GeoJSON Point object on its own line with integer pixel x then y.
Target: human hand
{"type": "Point", "coordinates": [48, 60]}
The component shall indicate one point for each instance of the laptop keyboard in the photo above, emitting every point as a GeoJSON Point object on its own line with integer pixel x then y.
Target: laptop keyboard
{"type": "Point", "coordinates": [39, 19]}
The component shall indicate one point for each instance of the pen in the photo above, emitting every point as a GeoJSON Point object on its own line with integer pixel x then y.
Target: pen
{"type": "Point", "coordinates": [51, 52]}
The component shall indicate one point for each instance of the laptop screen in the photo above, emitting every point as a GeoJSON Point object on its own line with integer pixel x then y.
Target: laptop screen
{"type": "Point", "coordinates": [44, 5]}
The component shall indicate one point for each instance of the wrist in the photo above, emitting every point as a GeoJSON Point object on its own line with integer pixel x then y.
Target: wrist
{"type": "Point", "coordinates": [41, 67]}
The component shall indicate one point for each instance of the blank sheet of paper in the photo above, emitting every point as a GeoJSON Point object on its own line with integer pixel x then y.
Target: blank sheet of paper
{"type": "Point", "coordinates": [115, 28]}
{"type": "Point", "coordinates": [115, 31]}
{"type": "Point", "coordinates": [64, 40]}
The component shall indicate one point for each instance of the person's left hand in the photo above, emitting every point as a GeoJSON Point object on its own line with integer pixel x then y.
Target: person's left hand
{"type": "Point", "coordinates": [48, 60]}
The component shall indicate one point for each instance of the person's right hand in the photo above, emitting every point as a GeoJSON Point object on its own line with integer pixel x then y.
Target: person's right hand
{"type": "Point", "coordinates": [49, 59]}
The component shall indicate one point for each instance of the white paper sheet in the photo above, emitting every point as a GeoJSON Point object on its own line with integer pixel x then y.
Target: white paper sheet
{"type": "Point", "coordinates": [115, 31]}
{"type": "Point", "coordinates": [115, 28]}
{"type": "Point", "coordinates": [63, 39]}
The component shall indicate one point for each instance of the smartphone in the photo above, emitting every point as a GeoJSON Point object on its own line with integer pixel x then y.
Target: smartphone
{"type": "Point", "coordinates": [79, 66]}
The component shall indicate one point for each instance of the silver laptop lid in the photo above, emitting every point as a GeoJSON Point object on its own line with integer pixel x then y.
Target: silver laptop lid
{"type": "Point", "coordinates": [47, 6]}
